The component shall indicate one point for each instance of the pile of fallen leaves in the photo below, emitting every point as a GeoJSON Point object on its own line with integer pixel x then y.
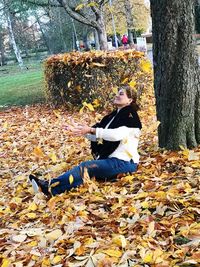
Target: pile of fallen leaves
{"type": "Point", "coordinates": [151, 218]}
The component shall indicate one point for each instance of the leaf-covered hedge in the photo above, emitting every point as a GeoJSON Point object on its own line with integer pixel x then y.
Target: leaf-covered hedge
{"type": "Point", "coordinates": [92, 77]}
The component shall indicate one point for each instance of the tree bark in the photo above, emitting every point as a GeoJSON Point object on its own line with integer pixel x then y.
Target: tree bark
{"type": "Point", "coordinates": [2, 48]}
{"type": "Point", "coordinates": [176, 73]}
{"type": "Point", "coordinates": [129, 20]}
{"type": "Point", "coordinates": [12, 36]}
{"type": "Point", "coordinates": [14, 44]}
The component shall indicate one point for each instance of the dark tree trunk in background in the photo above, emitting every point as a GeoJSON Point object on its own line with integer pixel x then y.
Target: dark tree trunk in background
{"type": "Point", "coordinates": [2, 48]}
{"type": "Point", "coordinates": [176, 73]}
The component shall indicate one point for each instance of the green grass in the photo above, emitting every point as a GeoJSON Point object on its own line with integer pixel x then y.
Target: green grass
{"type": "Point", "coordinates": [21, 87]}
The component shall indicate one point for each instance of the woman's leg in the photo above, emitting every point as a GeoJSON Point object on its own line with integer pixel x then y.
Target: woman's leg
{"type": "Point", "coordinates": [100, 169]}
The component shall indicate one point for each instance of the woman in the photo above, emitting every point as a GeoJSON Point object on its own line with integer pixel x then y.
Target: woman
{"type": "Point", "coordinates": [114, 143]}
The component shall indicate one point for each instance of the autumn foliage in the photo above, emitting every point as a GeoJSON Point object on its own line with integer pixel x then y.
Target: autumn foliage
{"type": "Point", "coordinates": [151, 218]}
{"type": "Point", "coordinates": [91, 77]}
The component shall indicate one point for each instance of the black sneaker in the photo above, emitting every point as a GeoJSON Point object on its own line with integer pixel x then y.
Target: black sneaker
{"type": "Point", "coordinates": [38, 183]}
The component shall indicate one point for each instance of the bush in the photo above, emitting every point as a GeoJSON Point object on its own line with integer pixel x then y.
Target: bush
{"type": "Point", "coordinates": [77, 77]}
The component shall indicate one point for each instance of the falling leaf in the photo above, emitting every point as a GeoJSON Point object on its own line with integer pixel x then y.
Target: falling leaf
{"type": "Point", "coordinates": [132, 83]}
{"type": "Point", "coordinates": [97, 64]}
{"type": "Point", "coordinates": [79, 7]}
{"type": "Point", "coordinates": [69, 84]}
{"type": "Point", "coordinates": [71, 179]}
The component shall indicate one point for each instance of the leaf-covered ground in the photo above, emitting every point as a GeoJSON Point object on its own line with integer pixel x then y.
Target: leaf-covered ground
{"type": "Point", "coordinates": [151, 218]}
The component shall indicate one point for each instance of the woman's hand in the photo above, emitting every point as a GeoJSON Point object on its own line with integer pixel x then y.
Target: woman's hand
{"type": "Point", "coordinates": [79, 129]}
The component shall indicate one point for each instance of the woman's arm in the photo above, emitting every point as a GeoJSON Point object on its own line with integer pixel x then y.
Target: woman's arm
{"type": "Point", "coordinates": [116, 134]}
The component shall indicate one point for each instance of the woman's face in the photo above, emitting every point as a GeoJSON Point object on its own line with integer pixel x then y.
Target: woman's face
{"type": "Point", "coordinates": [121, 99]}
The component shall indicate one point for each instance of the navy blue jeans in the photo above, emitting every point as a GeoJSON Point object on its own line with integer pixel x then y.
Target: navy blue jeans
{"type": "Point", "coordinates": [103, 169]}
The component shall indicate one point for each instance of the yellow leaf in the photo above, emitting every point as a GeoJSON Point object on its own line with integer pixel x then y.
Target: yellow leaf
{"type": "Point", "coordinates": [125, 81]}
{"type": "Point", "coordinates": [5, 263]}
{"type": "Point", "coordinates": [145, 205]}
{"type": "Point", "coordinates": [38, 152]}
{"type": "Point", "coordinates": [96, 103]}
{"type": "Point", "coordinates": [55, 234]}
{"type": "Point", "coordinates": [81, 110]}
{"type": "Point", "coordinates": [79, 7]}
{"type": "Point", "coordinates": [132, 83]}
{"type": "Point", "coordinates": [148, 258]}
{"type": "Point", "coordinates": [46, 262]}
{"type": "Point", "coordinates": [145, 65]}
{"type": "Point", "coordinates": [32, 207]}
{"type": "Point", "coordinates": [5, 125]}
{"type": "Point", "coordinates": [33, 244]}
{"type": "Point", "coordinates": [71, 179]}
{"type": "Point", "coordinates": [92, 4]}
{"type": "Point", "coordinates": [56, 259]}
{"type": "Point", "coordinates": [196, 164]}
{"type": "Point", "coordinates": [115, 90]}
{"type": "Point", "coordinates": [89, 106]}
{"type": "Point", "coordinates": [53, 157]}
{"type": "Point", "coordinates": [120, 240]}
{"type": "Point", "coordinates": [31, 215]}
{"type": "Point", "coordinates": [113, 253]}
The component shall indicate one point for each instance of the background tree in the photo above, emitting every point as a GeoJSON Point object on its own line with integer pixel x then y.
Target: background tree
{"type": "Point", "coordinates": [2, 46]}
{"type": "Point", "coordinates": [89, 13]}
{"type": "Point", "coordinates": [9, 14]}
{"type": "Point", "coordinates": [130, 16]}
{"type": "Point", "coordinates": [197, 15]}
{"type": "Point", "coordinates": [176, 73]}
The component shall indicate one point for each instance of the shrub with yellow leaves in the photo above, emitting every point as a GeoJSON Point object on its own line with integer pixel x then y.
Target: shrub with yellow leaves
{"type": "Point", "coordinates": [89, 79]}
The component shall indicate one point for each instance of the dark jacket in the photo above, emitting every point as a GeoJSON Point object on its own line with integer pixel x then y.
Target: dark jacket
{"type": "Point", "coordinates": [126, 116]}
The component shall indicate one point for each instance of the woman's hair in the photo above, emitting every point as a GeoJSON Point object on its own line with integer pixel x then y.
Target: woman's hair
{"type": "Point", "coordinates": [131, 94]}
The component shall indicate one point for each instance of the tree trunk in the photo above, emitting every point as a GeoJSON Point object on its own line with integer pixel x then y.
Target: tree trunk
{"type": "Point", "coordinates": [97, 24]}
{"type": "Point", "coordinates": [12, 38]}
{"type": "Point", "coordinates": [2, 49]}
{"type": "Point", "coordinates": [101, 31]}
{"type": "Point", "coordinates": [129, 20]}
{"type": "Point", "coordinates": [45, 38]}
{"type": "Point", "coordinates": [176, 73]}
{"type": "Point", "coordinates": [96, 38]}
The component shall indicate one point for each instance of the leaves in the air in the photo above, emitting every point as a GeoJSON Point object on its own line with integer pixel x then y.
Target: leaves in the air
{"type": "Point", "coordinates": [150, 218]}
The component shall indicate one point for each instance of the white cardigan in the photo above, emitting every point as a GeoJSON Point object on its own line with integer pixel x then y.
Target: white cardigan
{"type": "Point", "coordinates": [128, 137]}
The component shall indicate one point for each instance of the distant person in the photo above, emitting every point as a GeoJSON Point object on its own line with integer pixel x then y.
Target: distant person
{"type": "Point", "coordinates": [124, 40]}
{"type": "Point", "coordinates": [114, 142]}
